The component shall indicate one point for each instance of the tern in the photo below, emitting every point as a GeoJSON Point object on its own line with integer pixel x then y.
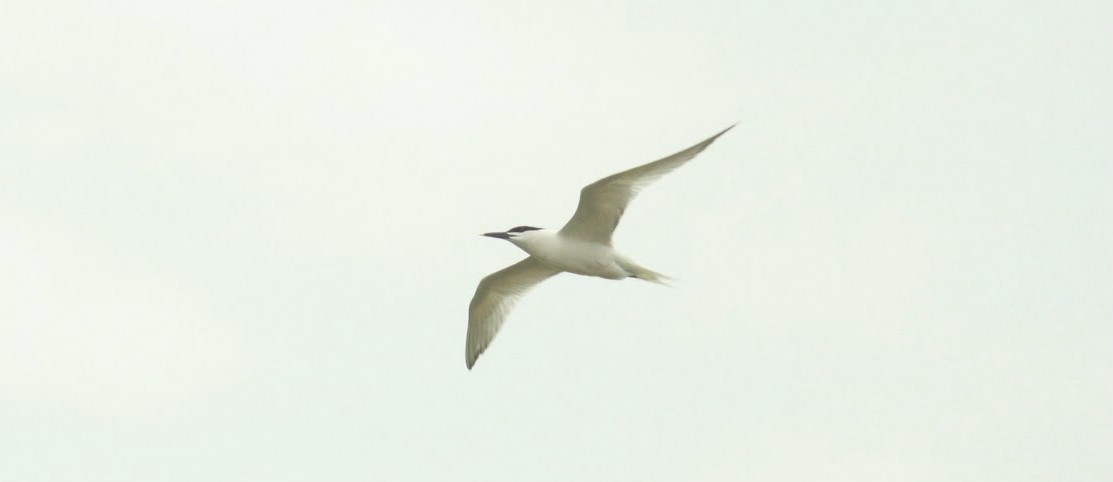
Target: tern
{"type": "Point", "coordinates": [582, 246]}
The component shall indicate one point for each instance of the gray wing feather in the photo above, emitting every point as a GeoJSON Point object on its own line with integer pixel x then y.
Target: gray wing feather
{"type": "Point", "coordinates": [494, 298]}
{"type": "Point", "coordinates": [603, 202]}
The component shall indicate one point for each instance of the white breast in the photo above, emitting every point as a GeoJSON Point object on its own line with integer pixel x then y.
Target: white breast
{"type": "Point", "coordinates": [573, 255]}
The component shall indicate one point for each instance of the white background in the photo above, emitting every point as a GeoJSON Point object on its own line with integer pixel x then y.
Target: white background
{"type": "Point", "coordinates": [238, 241]}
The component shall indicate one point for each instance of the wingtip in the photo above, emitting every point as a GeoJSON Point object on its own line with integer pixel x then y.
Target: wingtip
{"type": "Point", "coordinates": [471, 357]}
{"type": "Point", "coordinates": [716, 136]}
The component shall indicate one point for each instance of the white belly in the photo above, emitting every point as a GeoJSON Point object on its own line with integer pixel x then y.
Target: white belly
{"type": "Point", "coordinates": [575, 256]}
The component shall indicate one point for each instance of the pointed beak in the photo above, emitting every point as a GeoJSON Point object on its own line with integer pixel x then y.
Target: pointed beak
{"type": "Point", "coordinates": [497, 235]}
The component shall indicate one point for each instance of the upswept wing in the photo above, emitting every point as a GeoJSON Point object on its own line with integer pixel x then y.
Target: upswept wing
{"type": "Point", "coordinates": [495, 297]}
{"type": "Point", "coordinates": [603, 202]}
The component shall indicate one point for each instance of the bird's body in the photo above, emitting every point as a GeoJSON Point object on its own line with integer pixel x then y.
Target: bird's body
{"type": "Point", "coordinates": [582, 246]}
{"type": "Point", "coordinates": [575, 255]}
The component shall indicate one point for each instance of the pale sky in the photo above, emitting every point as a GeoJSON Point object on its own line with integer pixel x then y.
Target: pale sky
{"type": "Point", "coordinates": [238, 241]}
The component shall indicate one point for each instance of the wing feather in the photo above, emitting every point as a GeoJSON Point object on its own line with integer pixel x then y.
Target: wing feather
{"type": "Point", "coordinates": [495, 297]}
{"type": "Point", "coordinates": [603, 202]}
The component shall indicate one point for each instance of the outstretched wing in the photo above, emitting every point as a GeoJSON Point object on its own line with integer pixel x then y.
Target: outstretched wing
{"type": "Point", "coordinates": [603, 202]}
{"type": "Point", "coordinates": [494, 298]}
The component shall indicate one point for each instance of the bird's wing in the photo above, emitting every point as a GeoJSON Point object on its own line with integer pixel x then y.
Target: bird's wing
{"type": "Point", "coordinates": [603, 202]}
{"type": "Point", "coordinates": [494, 298]}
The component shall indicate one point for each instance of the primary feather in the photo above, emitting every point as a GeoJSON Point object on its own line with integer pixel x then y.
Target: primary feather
{"type": "Point", "coordinates": [495, 296]}
{"type": "Point", "coordinates": [603, 202]}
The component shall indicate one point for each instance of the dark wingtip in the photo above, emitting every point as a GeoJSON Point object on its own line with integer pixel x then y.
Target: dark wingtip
{"type": "Point", "coordinates": [707, 142]}
{"type": "Point", "coordinates": [470, 358]}
{"type": "Point", "coordinates": [724, 131]}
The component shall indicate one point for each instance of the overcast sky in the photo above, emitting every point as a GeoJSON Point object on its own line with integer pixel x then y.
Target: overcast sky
{"type": "Point", "coordinates": [238, 241]}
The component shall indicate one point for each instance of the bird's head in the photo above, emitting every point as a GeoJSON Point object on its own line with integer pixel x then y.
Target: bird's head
{"type": "Point", "coordinates": [516, 234]}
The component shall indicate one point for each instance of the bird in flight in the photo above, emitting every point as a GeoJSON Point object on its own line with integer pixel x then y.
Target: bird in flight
{"type": "Point", "coordinates": [582, 246]}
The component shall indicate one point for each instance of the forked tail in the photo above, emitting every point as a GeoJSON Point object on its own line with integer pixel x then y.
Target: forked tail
{"type": "Point", "coordinates": [644, 273]}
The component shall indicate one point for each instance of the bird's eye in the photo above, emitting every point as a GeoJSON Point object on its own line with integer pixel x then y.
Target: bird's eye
{"type": "Point", "coordinates": [521, 229]}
